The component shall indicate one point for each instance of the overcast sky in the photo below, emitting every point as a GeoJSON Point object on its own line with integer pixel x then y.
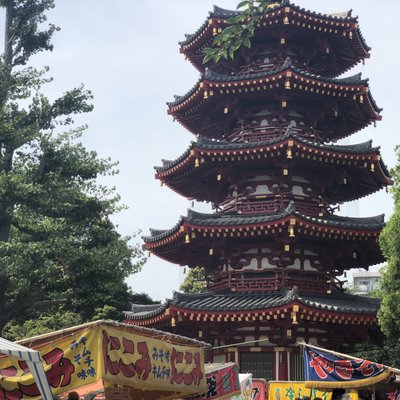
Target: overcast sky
{"type": "Point", "coordinates": [126, 52]}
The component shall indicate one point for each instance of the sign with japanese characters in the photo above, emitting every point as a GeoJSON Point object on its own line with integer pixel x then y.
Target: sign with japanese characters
{"type": "Point", "coordinates": [68, 363]}
{"type": "Point", "coordinates": [298, 390]}
{"type": "Point", "coordinates": [118, 357]}
{"type": "Point", "coordinates": [325, 370]}
{"type": "Point", "coordinates": [139, 361]}
{"type": "Point", "coordinates": [222, 382]}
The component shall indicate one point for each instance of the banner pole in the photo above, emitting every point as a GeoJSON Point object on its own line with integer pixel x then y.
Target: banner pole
{"type": "Point", "coordinates": [335, 353]}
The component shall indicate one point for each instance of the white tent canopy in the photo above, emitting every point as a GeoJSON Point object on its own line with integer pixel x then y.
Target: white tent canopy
{"type": "Point", "coordinates": [34, 362]}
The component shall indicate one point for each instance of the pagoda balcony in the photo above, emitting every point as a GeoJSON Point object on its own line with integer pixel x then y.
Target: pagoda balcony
{"type": "Point", "coordinates": [266, 204]}
{"type": "Point", "coordinates": [273, 132]}
{"type": "Point", "coordinates": [305, 281]}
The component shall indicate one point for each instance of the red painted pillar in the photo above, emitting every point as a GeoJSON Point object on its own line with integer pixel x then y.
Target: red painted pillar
{"type": "Point", "coordinates": [282, 363]}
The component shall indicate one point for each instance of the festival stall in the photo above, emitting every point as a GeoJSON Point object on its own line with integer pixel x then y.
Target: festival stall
{"type": "Point", "coordinates": [260, 389]}
{"type": "Point", "coordinates": [127, 361]}
{"type": "Point", "coordinates": [222, 381]}
{"type": "Point", "coordinates": [32, 361]}
{"type": "Point", "coordinates": [291, 390]}
{"type": "Point", "coordinates": [329, 370]}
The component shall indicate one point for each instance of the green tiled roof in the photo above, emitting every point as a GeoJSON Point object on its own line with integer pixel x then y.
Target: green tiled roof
{"type": "Point", "coordinates": [219, 12]}
{"type": "Point", "coordinates": [210, 75]}
{"type": "Point", "coordinates": [336, 302]}
{"type": "Point", "coordinates": [209, 144]}
{"type": "Point", "coordinates": [235, 219]}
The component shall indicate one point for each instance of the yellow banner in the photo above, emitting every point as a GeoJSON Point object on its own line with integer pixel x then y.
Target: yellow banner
{"type": "Point", "coordinates": [153, 368]}
{"type": "Point", "coordinates": [298, 390]}
{"type": "Point", "coordinates": [146, 363]}
{"type": "Point", "coordinates": [68, 362]}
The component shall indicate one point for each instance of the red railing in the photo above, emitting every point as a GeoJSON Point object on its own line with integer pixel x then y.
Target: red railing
{"type": "Point", "coordinates": [250, 205]}
{"type": "Point", "coordinates": [306, 281]}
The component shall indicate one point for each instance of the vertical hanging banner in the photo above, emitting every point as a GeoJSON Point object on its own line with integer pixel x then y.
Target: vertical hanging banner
{"type": "Point", "coordinates": [325, 370]}
{"type": "Point", "coordinates": [145, 367]}
{"type": "Point", "coordinates": [222, 382]}
{"type": "Point", "coordinates": [259, 389]}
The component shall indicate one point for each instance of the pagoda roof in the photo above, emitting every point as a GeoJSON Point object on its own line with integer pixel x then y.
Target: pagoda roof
{"type": "Point", "coordinates": [189, 241]}
{"type": "Point", "coordinates": [175, 173]}
{"type": "Point", "coordinates": [336, 26]}
{"type": "Point", "coordinates": [223, 13]}
{"type": "Point", "coordinates": [236, 220]}
{"type": "Point", "coordinates": [212, 76]}
{"type": "Point", "coordinates": [228, 303]}
{"type": "Point", "coordinates": [359, 107]}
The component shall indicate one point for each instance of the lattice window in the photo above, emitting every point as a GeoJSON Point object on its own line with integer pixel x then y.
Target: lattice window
{"type": "Point", "coordinates": [261, 365]}
{"type": "Point", "coordinates": [296, 367]}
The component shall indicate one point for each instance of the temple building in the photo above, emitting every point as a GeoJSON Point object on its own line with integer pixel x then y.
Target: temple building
{"type": "Point", "coordinates": [265, 124]}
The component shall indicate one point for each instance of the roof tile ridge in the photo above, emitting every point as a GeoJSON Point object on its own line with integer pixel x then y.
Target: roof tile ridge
{"type": "Point", "coordinates": [345, 80]}
{"type": "Point", "coordinates": [380, 218]}
{"type": "Point", "coordinates": [178, 296]}
{"type": "Point", "coordinates": [192, 214]}
{"type": "Point", "coordinates": [164, 231]}
{"type": "Point", "coordinates": [169, 163]}
{"type": "Point", "coordinates": [326, 15]}
{"type": "Point", "coordinates": [216, 9]}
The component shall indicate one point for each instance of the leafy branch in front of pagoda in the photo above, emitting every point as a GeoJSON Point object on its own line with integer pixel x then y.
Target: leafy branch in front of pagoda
{"type": "Point", "coordinates": [238, 33]}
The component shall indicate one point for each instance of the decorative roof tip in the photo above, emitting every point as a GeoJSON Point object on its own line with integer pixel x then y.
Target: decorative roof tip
{"type": "Point", "coordinates": [288, 62]}
{"type": "Point", "coordinates": [291, 208]}
{"type": "Point", "coordinates": [292, 294]}
{"type": "Point", "coordinates": [223, 11]}
{"type": "Point", "coordinates": [156, 232]}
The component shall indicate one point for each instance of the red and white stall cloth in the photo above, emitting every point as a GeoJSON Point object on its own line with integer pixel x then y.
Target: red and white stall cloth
{"type": "Point", "coordinates": [246, 388]}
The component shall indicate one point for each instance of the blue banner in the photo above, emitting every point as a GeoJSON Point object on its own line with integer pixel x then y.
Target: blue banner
{"type": "Point", "coordinates": [324, 370]}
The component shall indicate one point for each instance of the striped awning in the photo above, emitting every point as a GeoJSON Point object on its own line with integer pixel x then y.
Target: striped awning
{"type": "Point", "coordinates": [34, 362]}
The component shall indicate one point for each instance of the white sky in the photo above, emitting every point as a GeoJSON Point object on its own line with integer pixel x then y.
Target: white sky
{"type": "Point", "coordinates": [126, 52]}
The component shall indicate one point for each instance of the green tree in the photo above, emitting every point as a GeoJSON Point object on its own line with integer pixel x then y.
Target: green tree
{"type": "Point", "coordinates": [238, 32]}
{"type": "Point", "coordinates": [195, 282]}
{"type": "Point", "coordinates": [389, 313]}
{"type": "Point", "coordinates": [59, 251]}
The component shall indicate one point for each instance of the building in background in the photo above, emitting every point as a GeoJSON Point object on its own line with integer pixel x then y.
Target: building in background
{"type": "Point", "coordinates": [366, 282]}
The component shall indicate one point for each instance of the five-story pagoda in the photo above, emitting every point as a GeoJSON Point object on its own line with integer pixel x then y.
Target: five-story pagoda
{"type": "Point", "coordinates": [263, 156]}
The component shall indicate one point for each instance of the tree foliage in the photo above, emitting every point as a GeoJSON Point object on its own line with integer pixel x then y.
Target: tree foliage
{"type": "Point", "coordinates": [389, 313]}
{"type": "Point", "coordinates": [388, 353]}
{"type": "Point", "coordinates": [195, 281]}
{"type": "Point", "coordinates": [59, 251]}
{"type": "Point", "coordinates": [239, 31]}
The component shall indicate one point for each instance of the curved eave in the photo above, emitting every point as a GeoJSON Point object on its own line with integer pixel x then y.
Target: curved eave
{"type": "Point", "coordinates": [334, 308]}
{"type": "Point", "coordinates": [327, 24]}
{"type": "Point", "coordinates": [180, 174]}
{"type": "Point", "coordinates": [197, 231]}
{"type": "Point", "coordinates": [285, 73]}
{"type": "Point", "coordinates": [213, 88]}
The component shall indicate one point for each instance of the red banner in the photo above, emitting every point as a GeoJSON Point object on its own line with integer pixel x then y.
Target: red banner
{"type": "Point", "coordinates": [259, 389]}
{"type": "Point", "coordinates": [222, 381]}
